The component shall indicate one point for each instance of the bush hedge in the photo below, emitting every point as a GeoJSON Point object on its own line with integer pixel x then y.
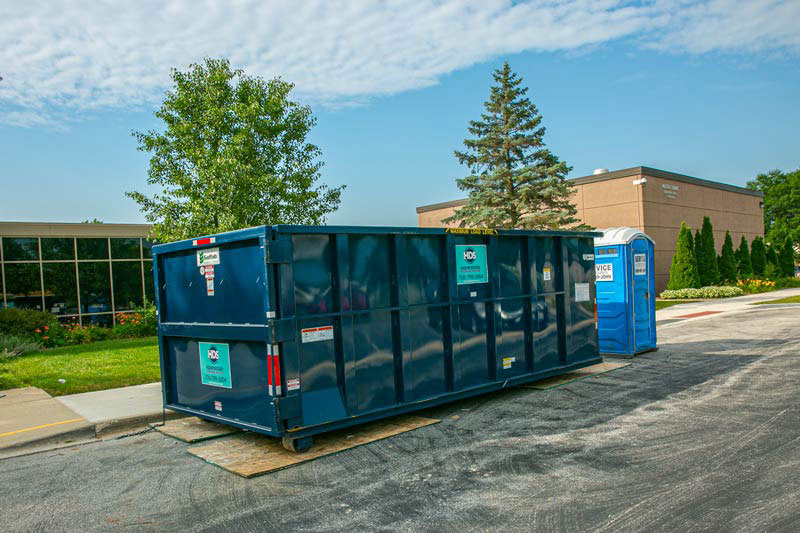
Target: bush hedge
{"type": "Point", "coordinates": [30, 330]}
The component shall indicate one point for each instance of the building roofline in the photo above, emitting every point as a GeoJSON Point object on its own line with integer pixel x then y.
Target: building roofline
{"type": "Point", "coordinates": [72, 229]}
{"type": "Point", "coordinates": [623, 173]}
{"type": "Point", "coordinates": [657, 173]}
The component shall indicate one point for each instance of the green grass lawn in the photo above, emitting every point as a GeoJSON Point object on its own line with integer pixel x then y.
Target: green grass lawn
{"type": "Point", "coordinates": [662, 304]}
{"type": "Point", "coordinates": [86, 367]}
{"type": "Point", "coordinates": [787, 300]}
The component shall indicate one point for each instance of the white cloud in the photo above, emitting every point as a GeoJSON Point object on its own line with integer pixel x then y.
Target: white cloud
{"type": "Point", "coordinates": [95, 54]}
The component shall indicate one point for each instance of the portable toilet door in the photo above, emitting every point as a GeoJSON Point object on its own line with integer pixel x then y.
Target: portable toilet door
{"type": "Point", "coordinates": [643, 286]}
{"type": "Point", "coordinates": [625, 284]}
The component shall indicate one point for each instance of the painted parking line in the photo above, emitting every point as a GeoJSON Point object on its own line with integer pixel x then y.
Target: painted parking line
{"type": "Point", "coordinates": [40, 427]}
{"type": "Point", "coordinates": [695, 315]}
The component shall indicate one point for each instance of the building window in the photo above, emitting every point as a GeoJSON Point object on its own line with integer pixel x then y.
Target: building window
{"type": "Point", "coordinates": [92, 248]}
{"type": "Point", "coordinates": [21, 249]}
{"type": "Point", "coordinates": [58, 249]}
{"type": "Point", "coordinates": [95, 287]}
{"type": "Point", "coordinates": [147, 248]}
{"type": "Point", "coordinates": [60, 290]}
{"type": "Point", "coordinates": [23, 286]}
{"type": "Point", "coordinates": [125, 249]}
{"type": "Point", "coordinates": [127, 277]}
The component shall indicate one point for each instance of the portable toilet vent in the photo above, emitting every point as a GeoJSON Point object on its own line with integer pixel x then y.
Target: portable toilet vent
{"type": "Point", "coordinates": [625, 281]}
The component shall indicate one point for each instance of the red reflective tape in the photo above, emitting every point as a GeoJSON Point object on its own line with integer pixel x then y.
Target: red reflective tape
{"type": "Point", "coordinates": [277, 374]}
{"type": "Point", "coordinates": [269, 370]}
{"type": "Point", "coordinates": [200, 242]}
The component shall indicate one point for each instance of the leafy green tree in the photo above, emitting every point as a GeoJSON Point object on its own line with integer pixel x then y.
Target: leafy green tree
{"type": "Point", "coordinates": [727, 260]}
{"type": "Point", "coordinates": [515, 181]}
{"type": "Point", "coordinates": [707, 261]}
{"type": "Point", "coordinates": [781, 204]}
{"type": "Point", "coordinates": [758, 257]}
{"type": "Point", "coordinates": [233, 154]}
{"type": "Point", "coordinates": [786, 258]}
{"type": "Point", "coordinates": [743, 265]}
{"type": "Point", "coordinates": [683, 272]}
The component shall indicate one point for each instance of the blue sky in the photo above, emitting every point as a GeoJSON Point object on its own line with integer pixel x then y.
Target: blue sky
{"type": "Point", "coordinates": [619, 84]}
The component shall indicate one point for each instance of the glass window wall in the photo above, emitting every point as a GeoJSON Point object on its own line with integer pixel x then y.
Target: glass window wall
{"type": "Point", "coordinates": [76, 289]}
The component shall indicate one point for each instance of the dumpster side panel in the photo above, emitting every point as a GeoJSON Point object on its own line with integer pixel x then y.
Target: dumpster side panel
{"type": "Point", "coordinates": [228, 290]}
{"type": "Point", "coordinates": [235, 389]}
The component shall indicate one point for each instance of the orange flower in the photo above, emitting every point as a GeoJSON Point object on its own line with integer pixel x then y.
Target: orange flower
{"type": "Point", "coordinates": [47, 328]}
{"type": "Point", "coordinates": [46, 337]}
{"type": "Point", "coordinates": [37, 330]}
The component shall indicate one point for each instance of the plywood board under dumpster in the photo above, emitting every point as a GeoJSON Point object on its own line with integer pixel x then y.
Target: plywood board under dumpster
{"type": "Point", "coordinates": [250, 455]}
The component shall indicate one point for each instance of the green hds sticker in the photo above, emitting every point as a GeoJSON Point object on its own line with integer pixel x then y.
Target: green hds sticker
{"type": "Point", "coordinates": [215, 364]}
{"type": "Point", "coordinates": [471, 264]}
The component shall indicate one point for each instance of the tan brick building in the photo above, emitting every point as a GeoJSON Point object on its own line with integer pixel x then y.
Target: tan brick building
{"type": "Point", "coordinates": [654, 201]}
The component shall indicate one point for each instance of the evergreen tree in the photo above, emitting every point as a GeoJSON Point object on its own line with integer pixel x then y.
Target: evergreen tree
{"type": "Point", "coordinates": [786, 258]}
{"type": "Point", "coordinates": [743, 265]}
{"type": "Point", "coordinates": [772, 257]}
{"type": "Point", "coordinates": [683, 272]}
{"type": "Point", "coordinates": [727, 260]}
{"type": "Point", "coordinates": [698, 254]}
{"type": "Point", "coordinates": [515, 181]}
{"type": "Point", "coordinates": [707, 262]}
{"type": "Point", "coordinates": [758, 257]}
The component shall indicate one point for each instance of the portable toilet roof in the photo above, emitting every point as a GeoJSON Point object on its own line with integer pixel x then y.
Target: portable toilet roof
{"type": "Point", "coordinates": [622, 235]}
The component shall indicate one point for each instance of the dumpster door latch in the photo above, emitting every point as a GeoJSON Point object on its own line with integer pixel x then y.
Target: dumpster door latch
{"type": "Point", "coordinates": [277, 251]}
{"type": "Point", "coordinates": [281, 330]}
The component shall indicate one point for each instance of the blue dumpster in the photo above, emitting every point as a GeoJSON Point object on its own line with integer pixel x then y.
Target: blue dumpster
{"type": "Point", "coordinates": [291, 331]}
{"type": "Point", "coordinates": [626, 307]}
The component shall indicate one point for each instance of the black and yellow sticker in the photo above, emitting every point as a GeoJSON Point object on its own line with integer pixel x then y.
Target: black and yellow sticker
{"type": "Point", "coordinates": [471, 231]}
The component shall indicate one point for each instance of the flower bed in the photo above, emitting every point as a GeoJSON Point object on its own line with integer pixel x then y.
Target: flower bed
{"type": "Point", "coordinates": [703, 292]}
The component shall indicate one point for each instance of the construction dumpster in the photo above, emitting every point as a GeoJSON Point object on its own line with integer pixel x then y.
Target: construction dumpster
{"type": "Point", "coordinates": [291, 331]}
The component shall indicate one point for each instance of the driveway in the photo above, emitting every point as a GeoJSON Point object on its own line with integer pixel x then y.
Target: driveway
{"type": "Point", "coordinates": [701, 435]}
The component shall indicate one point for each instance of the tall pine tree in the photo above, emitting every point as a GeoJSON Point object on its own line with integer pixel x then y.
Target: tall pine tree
{"type": "Point", "coordinates": [707, 262]}
{"type": "Point", "coordinates": [727, 260]}
{"type": "Point", "coordinates": [515, 181]}
{"type": "Point", "coordinates": [683, 272]}
{"type": "Point", "coordinates": [758, 257]}
{"type": "Point", "coordinates": [743, 265]}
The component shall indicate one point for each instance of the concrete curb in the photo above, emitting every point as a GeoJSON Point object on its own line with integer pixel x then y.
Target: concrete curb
{"type": "Point", "coordinates": [69, 437]}
{"type": "Point", "coordinates": [118, 425]}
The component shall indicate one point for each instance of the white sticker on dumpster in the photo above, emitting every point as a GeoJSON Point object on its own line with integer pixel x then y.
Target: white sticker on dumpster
{"type": "Point", "coordinates": [640, 264]}
{"type": "Point", "coordinates": [293, 384]}
{"type": "Point", "coordinates": [322, 333]}
{"type": "Point", "coordinates": [209, 256]}
{"type": "Point", "coordinates": [507, 362]}
{"type": "Point", "coordinates": [546, 273]}
{"type": "Point", "coordinates": [581, 292]}
{"type": "Point", "coordinates": [604, 272]}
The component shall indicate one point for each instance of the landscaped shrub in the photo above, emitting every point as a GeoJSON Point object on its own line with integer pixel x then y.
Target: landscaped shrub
{"type": "Point", "coordinates": [758, 257]}
{"type": "Point", "coordinates": [707, 255]}
{"type": "Point", "coordinates": [743, 266]}
{"type": "Point", "coordinates": [727, 261]}
{"type": "Point", "coordinates": [12, 346]}
{"type": "Point", "coordinates": [683, 272]}
{"type": "Point", "coordinates": [786, 258]}
{"type": "Point", "coordinates": [703, 292]}
{"type": "Point", "coordinates": [23, 322]}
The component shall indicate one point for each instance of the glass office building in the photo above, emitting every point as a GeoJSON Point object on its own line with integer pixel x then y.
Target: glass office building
{"type": "Point", "coordinates": [84, 273]}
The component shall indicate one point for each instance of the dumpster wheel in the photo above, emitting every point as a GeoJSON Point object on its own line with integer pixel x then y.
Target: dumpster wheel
{"type": "Point", "coordinates": [297, 444]}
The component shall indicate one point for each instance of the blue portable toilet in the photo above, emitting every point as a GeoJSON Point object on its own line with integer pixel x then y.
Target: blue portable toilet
{"type": "Point", "coordinates": [625, 281]}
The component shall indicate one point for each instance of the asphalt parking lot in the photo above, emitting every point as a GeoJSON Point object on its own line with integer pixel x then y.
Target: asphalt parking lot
{"type": "Point", "coordinates": [701, 435]}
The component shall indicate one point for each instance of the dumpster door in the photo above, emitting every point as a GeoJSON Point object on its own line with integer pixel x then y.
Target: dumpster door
{"type": "Point", "coordinates": [642, 299]}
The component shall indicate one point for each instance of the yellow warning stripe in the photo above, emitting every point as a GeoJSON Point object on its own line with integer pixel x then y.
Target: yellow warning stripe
{"type": "Point", "coordinates": [40, 427]}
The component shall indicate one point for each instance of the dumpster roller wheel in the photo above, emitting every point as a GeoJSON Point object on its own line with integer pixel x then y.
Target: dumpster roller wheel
{"type": "Point", "coordinates": [297, 445]}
